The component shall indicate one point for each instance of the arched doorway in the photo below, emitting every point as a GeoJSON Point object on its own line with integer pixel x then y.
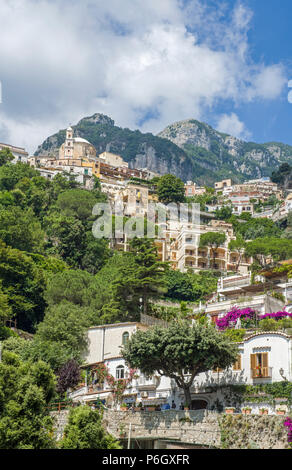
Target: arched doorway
{"type": "Point", "coordinates": [199, 404]}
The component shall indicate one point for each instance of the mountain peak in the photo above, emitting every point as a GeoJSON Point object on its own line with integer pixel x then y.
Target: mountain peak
{"type": "Point", "coordinates": [190, 132]}
{"type": "Point", "coordinates": [98, 118]}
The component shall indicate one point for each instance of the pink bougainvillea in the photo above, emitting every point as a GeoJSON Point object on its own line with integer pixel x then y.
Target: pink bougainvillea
{"type": "Point", "coordinates": [118, 385]}
{"type": "Point", "coordinates": [230, 319]}
{"type": "Point", "coordinates": [276, 316]}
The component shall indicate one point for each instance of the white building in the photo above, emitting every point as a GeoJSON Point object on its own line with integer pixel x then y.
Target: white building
{"type": "Point", "coordinates": [262, 358]}
{"type": "Point", "coordinates": [104, 347]}
{"type": "Point", "coordinates": [19, 153]}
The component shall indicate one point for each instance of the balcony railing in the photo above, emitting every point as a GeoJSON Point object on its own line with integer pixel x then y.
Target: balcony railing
{"type": "Point", "coordinates": [261, 373]}
{"type": "Point", "coordinates": [147, 383]}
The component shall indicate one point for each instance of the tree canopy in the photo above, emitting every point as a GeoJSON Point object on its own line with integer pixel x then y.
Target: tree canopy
{"type": "Point", "coordinates": [170, 189]}
{"type": "Point", "coordinates": [179, 352]}
{"type": "Point", "coordinates": [85, 431]}
{"type": "Point", "coordinates": [25, 391]}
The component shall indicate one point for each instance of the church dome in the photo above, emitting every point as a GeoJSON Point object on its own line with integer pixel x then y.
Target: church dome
{"type": "Point", "coordinates": [81, 141]}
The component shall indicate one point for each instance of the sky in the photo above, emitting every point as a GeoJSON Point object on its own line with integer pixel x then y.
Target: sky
{"type": "Point", "coordinates": [146, 64]}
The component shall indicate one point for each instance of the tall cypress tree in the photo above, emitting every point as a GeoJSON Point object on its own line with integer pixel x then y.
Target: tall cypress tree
{"type": "Point", "coordinates": [148, 276]}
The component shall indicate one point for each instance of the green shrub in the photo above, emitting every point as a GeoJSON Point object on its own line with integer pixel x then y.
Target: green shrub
{"type": "Point", "coordinates": [6, 333]}
{"type": "Point", "coordinates": [269, 324]}
{"type": "Point", "coordinates": [235, 335]}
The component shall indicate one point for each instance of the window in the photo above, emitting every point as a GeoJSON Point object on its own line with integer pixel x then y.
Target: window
{"type": "Point", "coordinates": [120, 372]}
{"type": "Point", "coordinates": [237, 364]}
{"type": "Point", "coordinates": [125, 338]}
{"type": "Point", "coordinates": [259, 365]}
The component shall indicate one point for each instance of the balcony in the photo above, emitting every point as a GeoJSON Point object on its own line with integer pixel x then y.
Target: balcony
{"type": "Point", "coordinates": [147, 384]}
{"type": "Point", "coordinates": [261, 373]}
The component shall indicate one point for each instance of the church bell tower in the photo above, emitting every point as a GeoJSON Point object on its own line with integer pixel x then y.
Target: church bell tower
{"type": "Point", "coordinates": [69, 143]}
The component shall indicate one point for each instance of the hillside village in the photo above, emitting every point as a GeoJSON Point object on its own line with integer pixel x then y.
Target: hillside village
{"type": "Point", "coordinates": [72, 299]}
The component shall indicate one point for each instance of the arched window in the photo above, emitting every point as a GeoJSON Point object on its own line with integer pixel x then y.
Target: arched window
{"type": "Point", "coordinates": [120, 372]}
{"type": "Point", "coordinates": [125, 338]}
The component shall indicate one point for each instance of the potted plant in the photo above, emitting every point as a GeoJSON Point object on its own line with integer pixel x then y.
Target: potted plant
{"type": "Point", "coordinates": [246, 410]}
{"type": "Point", "coordinates": [263, 411]}
{"type": "Point", "coordinates": [230, 410]}
{"type": "Point", "coordinates": [150, 408]}
{"type": "Point", "coordinates": [124, 407]}
{"type": "Point", "coordinates": [281, 411]}
{"type": "Point", "coordinates": [139, 407]}
{"type": "Point", "coordinates": [186, 407]}
{"type": "Point", "coordinates": [122, 431]}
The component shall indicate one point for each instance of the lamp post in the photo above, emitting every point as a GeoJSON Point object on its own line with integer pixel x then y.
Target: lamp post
{"type": "Point", "coordinates": [282, 374]}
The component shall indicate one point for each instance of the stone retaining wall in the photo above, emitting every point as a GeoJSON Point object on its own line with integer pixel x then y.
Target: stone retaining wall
{"type": "Point", "coordinates": [203, 427]}
{"type": "Point", "coordinates": [60, 419]}
{"type": "Point", "coordinates": [199, 427]}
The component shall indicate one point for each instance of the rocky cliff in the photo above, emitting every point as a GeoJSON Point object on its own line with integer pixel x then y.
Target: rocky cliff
{"type": "Point", "coordinates": [224, 155]}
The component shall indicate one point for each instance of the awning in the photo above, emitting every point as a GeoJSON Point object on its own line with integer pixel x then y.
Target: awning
{"type": "Point", "coordinates": [154, 401]}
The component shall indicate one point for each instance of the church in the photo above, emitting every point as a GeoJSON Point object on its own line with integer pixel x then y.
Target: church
{"type": "Point", "coordinates": [75, 147]}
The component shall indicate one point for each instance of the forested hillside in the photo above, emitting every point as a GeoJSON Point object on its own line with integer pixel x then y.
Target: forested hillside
{"type": "Point", "coordinates": [190, 149]}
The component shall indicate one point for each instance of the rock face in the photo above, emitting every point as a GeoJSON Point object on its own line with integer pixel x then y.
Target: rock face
{"type": "Point", "coordinates": [189, 149]}
{"type": "Point", "coordinates": [189, 132]}
{"type": "Point", "coordinates": [223, 154]}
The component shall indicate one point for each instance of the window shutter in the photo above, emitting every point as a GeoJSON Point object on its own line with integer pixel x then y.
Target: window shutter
{"type": "Point", "coordinates": [265, 359]}
{"type": "Point", "coordinates": [253, 362]}
{"type": "Point", "coordinates": [237, 364]}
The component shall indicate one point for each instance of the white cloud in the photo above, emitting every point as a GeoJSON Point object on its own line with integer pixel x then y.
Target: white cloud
{"type": "Point", "coordinates": [146, 64]}
{"type": "Point", "coordinates": [231, 124]}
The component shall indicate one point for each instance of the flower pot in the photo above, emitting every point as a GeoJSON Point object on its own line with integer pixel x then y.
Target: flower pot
{"type": "Point", "coordinates": [264, 412]}
{"type": "Point", "coordinates": [137, 409]}
{"type": "Point", "coordinates": [229, 411]}
{"type": "Point", "coordinates": [246, 412]}
{"type": "Point", "coordinates": [124, 409]}
{"type": "Point", "coordinates": [280, 412]}
{"type": "Point", "coordinates": [186, 409]}
{"type": "Point", "coordinates": [151, 408]}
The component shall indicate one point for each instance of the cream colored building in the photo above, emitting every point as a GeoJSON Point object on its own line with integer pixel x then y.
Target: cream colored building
{"type": "Point", "coordinates": [113, 160]}
{"type": "Point", "coordinates": [76, 147]}
{"type": "Point", "coordinates": [219, 185]}
{"type": "Point", "coordinates": [135, 198]}
{"type": "Point", "coordinates": [191, 189]}
{"type": "Point", "coordinates": [185, 251]}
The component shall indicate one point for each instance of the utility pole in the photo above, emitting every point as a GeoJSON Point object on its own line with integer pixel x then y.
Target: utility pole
{"type": "Point", "coordinates": [129, 436]}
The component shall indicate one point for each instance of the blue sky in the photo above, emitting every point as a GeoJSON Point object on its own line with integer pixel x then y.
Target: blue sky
{"type": "Point", "coordinates": [270, 40]}
{"type": "Point", "coordinates": [146, 64]}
